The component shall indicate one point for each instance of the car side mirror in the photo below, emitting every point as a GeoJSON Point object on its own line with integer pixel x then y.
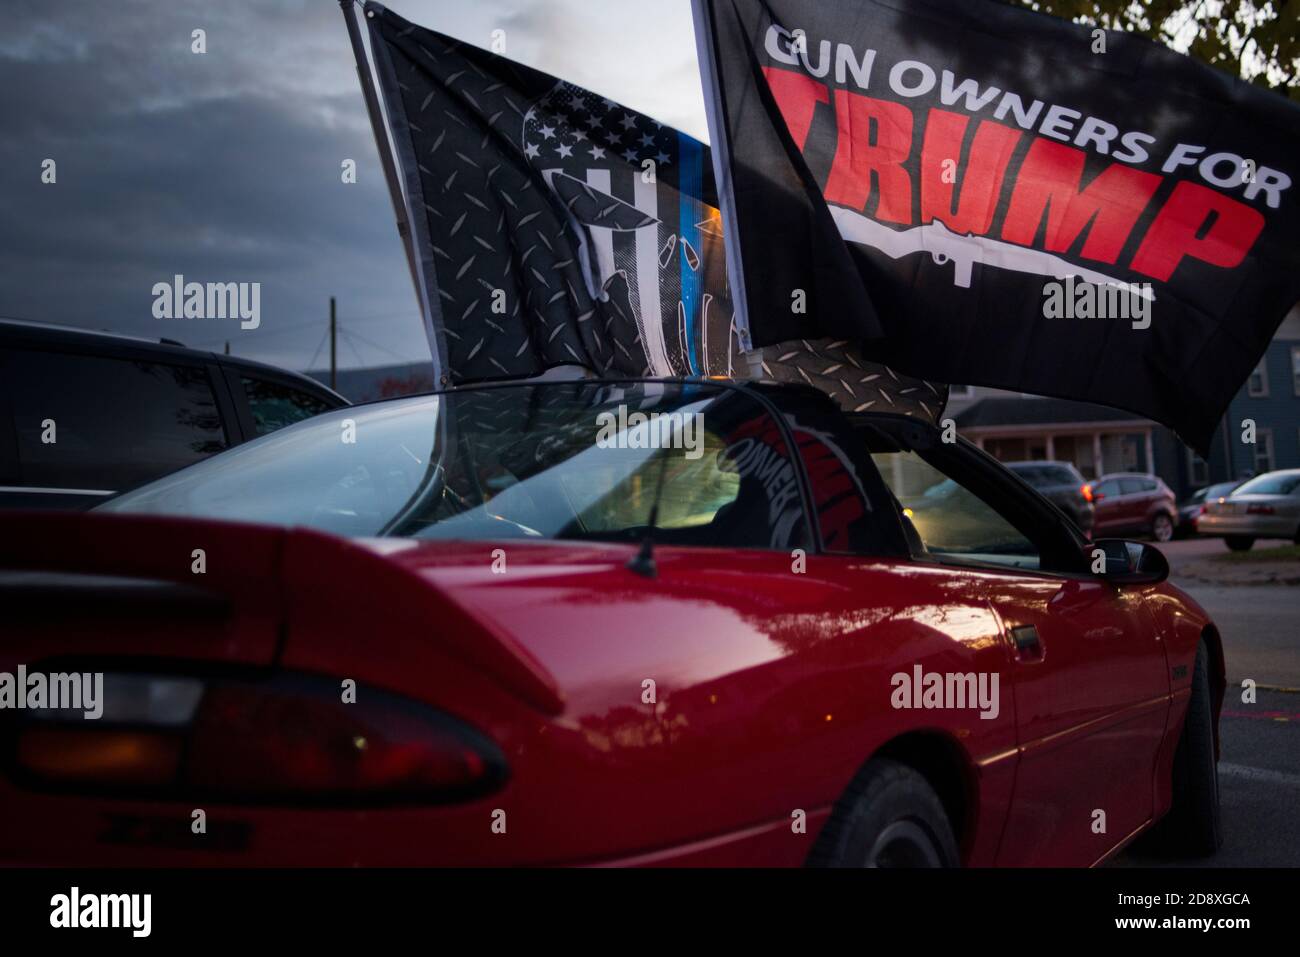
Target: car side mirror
{"type": "Point", "coordinates": [1127, 563]}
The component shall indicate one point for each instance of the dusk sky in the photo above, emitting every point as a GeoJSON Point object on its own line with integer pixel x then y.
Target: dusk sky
{"type": "Point", "coordinates": [225, 166]}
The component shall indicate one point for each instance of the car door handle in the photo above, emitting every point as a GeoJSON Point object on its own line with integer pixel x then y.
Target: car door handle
{"type": "Point", "coordinates": [1028, 645]}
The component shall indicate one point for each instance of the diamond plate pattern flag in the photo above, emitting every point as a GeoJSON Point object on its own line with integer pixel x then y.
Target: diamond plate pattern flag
{"type": "Point", "coordinates": [556, 227]}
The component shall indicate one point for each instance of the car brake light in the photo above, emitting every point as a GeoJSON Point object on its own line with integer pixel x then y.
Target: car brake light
{"type": "Point", "coordinates": [1257, 509]}
{"type": "Point", "coordinates": [286, 739]}
{"type": "Point", "coordinates": [1086, 491]}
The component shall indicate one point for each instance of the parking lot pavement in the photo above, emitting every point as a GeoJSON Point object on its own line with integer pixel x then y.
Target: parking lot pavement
{"type": "Point", "coordinates": [1259, 770]}
{"type": "Point", "coordinates": [1259, 787]}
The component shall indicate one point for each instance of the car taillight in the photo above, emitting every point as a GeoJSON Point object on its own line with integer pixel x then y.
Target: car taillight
{"type": "Point", "coordinates": [284, 739]}
{"type": "Point", "coordinates": [1257, 509]}
{"type": "Point", "coordinates": [1086, 491]}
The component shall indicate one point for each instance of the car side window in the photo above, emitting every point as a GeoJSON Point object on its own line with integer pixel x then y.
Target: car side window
{"type": "Point", "coordinates": [1133, 486]}
{"type": "Point", "coordinates": [954, 524]}
{"type": "Point", "coordinates": [102, 423]}
{"type": "Point", "coordinates": [1107, 489]}
{"type": "Point", "coordinates": [274, 406]}
{"type": "Point", "coordinates": [852, 506]}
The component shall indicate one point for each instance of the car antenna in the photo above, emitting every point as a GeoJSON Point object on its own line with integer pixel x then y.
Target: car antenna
{"type": "Point", "coordinates": [643, 562]}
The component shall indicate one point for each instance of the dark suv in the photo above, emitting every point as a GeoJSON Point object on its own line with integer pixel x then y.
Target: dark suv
{"type": "Point", "coordinates": [84, 415]}
{"type": "Point", "coordinates": [1063, 485]}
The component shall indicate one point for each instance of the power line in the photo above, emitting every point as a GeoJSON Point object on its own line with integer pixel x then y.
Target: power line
{"type": "Point", "coordinates": [347, 337]}
{"type": "Point", "coordinates": [384, 349]}
{"type": "Point", "coordinates": [320, 346]}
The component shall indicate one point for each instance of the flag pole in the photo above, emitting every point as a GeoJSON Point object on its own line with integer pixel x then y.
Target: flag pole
{"type": "Point", "coordinates": [365, 73]}
{"type": "Point", "coordinates": [721, 151]}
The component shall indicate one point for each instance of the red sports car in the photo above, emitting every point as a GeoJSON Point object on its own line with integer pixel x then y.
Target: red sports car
{"type": "Point", "coordinates": [648, 622]}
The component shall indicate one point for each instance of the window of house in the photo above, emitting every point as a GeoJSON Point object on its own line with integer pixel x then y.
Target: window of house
{"type": "Point", "coordinates": [1257, 384]}
{"type": "Point", "coordinates": [1263, 451]}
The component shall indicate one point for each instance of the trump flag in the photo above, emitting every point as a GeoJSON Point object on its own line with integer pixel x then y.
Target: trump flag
{"type": "Point", "coordinates": [980, 194]}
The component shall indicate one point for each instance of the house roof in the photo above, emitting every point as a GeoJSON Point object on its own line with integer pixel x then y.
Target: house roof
{"type": "Point", "coordinates": [1009, 410]}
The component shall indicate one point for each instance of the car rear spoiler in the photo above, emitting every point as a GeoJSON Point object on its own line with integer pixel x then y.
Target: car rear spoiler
{"type": "Point", "coordinates": [139, 561]}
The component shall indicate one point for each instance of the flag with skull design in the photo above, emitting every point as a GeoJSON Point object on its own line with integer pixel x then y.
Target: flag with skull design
{"type": "Point", "coordinates": [551, 226]}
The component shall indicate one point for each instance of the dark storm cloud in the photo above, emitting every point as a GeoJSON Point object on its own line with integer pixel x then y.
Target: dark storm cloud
{"type": "Point", "coordinates": [223, 166]}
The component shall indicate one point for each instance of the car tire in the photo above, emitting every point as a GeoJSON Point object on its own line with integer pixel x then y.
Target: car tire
{"type": "Point", "coordinates": [1162, 528]}
{"type": "Point", "coordinates": [1193, 827]}
{"type": "Point", "coordinates": [889, 816]}
{"type": "Point", "coordinates": [1239, 543]}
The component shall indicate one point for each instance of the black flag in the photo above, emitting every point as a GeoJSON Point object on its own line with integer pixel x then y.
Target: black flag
{"type": "Point", "coordinates": [992, 196]}
{"type": "Point", "coordinates": [552, 226]}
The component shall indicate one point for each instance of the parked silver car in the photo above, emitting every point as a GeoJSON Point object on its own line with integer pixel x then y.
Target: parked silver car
{"type": "Point", "coordinates": [1267, 506]}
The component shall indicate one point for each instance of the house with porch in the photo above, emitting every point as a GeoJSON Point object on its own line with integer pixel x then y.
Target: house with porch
{"type": "Point", "coordinates": [1014, 427]}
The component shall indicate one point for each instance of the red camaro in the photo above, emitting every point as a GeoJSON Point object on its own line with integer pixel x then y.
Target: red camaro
{"type": "Point", "coordinates": [651, 622]}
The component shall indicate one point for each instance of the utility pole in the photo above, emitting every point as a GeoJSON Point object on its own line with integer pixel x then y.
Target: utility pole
{"type": "Point", "coordinates": [1228, 462]}
{"type": "Point", "coordinates": [333, 345]}
{"type": "Point", "coordinates": [227, 347]}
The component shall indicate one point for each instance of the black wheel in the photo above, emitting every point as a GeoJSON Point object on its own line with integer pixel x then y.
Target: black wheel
{"type": "Point", "coordinates": [1192, 827]}
{"type": "Point", "coordinates": [1239, 543]}
{"type": "Point", "coordinates": [1162, 528]}
{"type": "Point", "coordinates": [888, 817]}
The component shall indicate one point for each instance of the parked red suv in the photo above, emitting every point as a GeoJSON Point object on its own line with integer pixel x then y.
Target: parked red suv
{"type": "Point", "coordinates": [1129, 503]}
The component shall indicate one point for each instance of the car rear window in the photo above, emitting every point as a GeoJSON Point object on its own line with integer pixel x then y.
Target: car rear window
{"type": "Point", "coordinates": [572, 460]}
{"type": "Point", "coordinates": [1273, 483]}
{"type": "Point", "coordinates": [1041, 476]}
{"type": "Point", "coordinates": [1130, 486]}
{"type": "Point", "coordinates": [101, 423]}
{"type": "Point", "coordinates": [1032, 474]}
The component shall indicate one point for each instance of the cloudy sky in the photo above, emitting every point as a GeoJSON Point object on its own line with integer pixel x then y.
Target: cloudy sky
{"type": "Point", "coordinates": [225, 166]}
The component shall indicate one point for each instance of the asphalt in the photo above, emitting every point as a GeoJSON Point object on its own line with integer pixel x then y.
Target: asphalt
{"type": "Point", "coordinates": [1259, 769]}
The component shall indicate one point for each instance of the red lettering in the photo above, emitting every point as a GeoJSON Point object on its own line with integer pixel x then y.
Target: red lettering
{"type": "Point", "coordinates": [858, 154]}
{"type": "Point", "coordinates": [797, 96]}
{"type": "Point", "coordinates": [1049, 181]}
{"type": "Point", "coordinates": [1173, 235]}
{"type": "Point", "coordinates": [981, 179]}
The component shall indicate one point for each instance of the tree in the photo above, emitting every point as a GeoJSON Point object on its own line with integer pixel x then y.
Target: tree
{"type": "Point", "coordinates": [1258, 41]}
